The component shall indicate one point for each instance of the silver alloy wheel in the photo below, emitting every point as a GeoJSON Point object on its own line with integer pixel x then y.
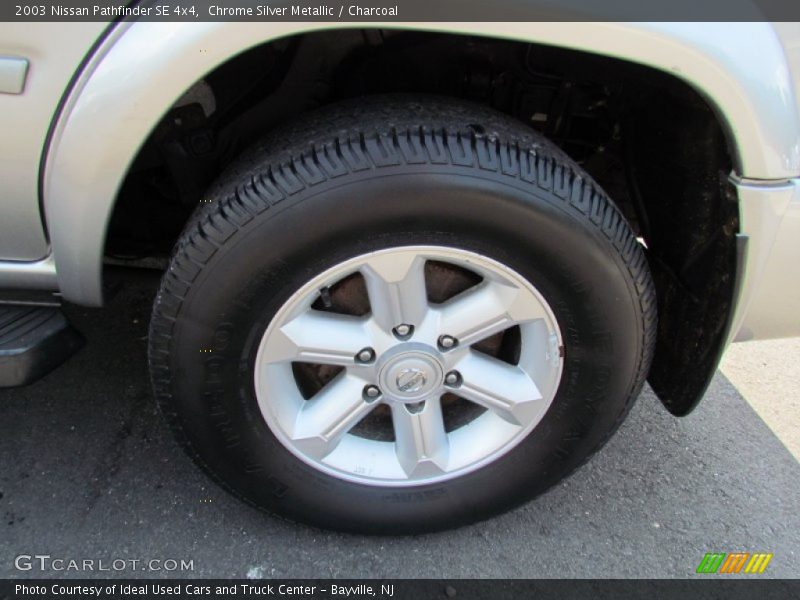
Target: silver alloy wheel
{"type": "Point", "coordinates": [407, 353]}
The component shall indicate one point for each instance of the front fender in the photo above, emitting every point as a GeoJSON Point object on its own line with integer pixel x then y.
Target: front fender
{"type": "Point", "coordinates": [144, 67]}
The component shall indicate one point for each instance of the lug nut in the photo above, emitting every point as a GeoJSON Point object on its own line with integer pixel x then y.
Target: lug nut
{"type": "Point", "coordinates": [403, 330]}
{"type": "Point", "coordinates": [371, 392]}
{"type": "Point", "coordinates": [447, 341]}
{"type": "Point", "coordinates": [452, 378]}
{"type": "Point", "coordinates": [366, 355]}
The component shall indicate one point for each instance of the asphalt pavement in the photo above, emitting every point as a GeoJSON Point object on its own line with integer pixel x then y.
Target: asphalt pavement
{"type": "Point", "coordinates": [88, 470]}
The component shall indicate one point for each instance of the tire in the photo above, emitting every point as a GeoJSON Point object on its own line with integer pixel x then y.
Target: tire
{"type": "Point", "coordinates": [389, 176]}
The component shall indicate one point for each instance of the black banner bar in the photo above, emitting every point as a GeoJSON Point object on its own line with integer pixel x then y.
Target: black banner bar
{"type": "Point", "coordinates": [398, 11]}
{"type": "Point", "coordinates": [717, 587]}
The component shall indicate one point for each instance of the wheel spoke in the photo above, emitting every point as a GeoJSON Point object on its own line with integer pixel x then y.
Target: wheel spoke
{"type": "Point", "coordinates": [488, 308]}
{"type": "Point", "coordinates": [396, 289]}
{"type": "Point", "coordinates": [328, 416]}
{"type": "Point", "coordinates": [319, 337]}
{"type": "Point", "coordinates": [421, 441]}
{"type": "Point", "coordinates": [507, 390]}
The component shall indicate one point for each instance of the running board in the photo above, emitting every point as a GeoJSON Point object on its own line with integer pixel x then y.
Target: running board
{"type": "Point", "coordinates": [34, 340]}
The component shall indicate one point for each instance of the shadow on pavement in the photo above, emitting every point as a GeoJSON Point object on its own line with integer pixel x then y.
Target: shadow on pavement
{"type": "Point", "coordinates": [88, 470]}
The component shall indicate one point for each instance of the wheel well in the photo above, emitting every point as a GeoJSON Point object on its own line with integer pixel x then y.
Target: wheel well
{"type": "Point", "coordinates": [648, 138]}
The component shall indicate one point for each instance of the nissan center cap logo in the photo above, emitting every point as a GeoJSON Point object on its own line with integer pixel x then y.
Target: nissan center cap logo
{"type": "Point", "coordinates": [411, 380]}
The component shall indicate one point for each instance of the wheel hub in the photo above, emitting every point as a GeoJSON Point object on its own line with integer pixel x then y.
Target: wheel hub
{"type": "Point", "coordinates": [411, 376]}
